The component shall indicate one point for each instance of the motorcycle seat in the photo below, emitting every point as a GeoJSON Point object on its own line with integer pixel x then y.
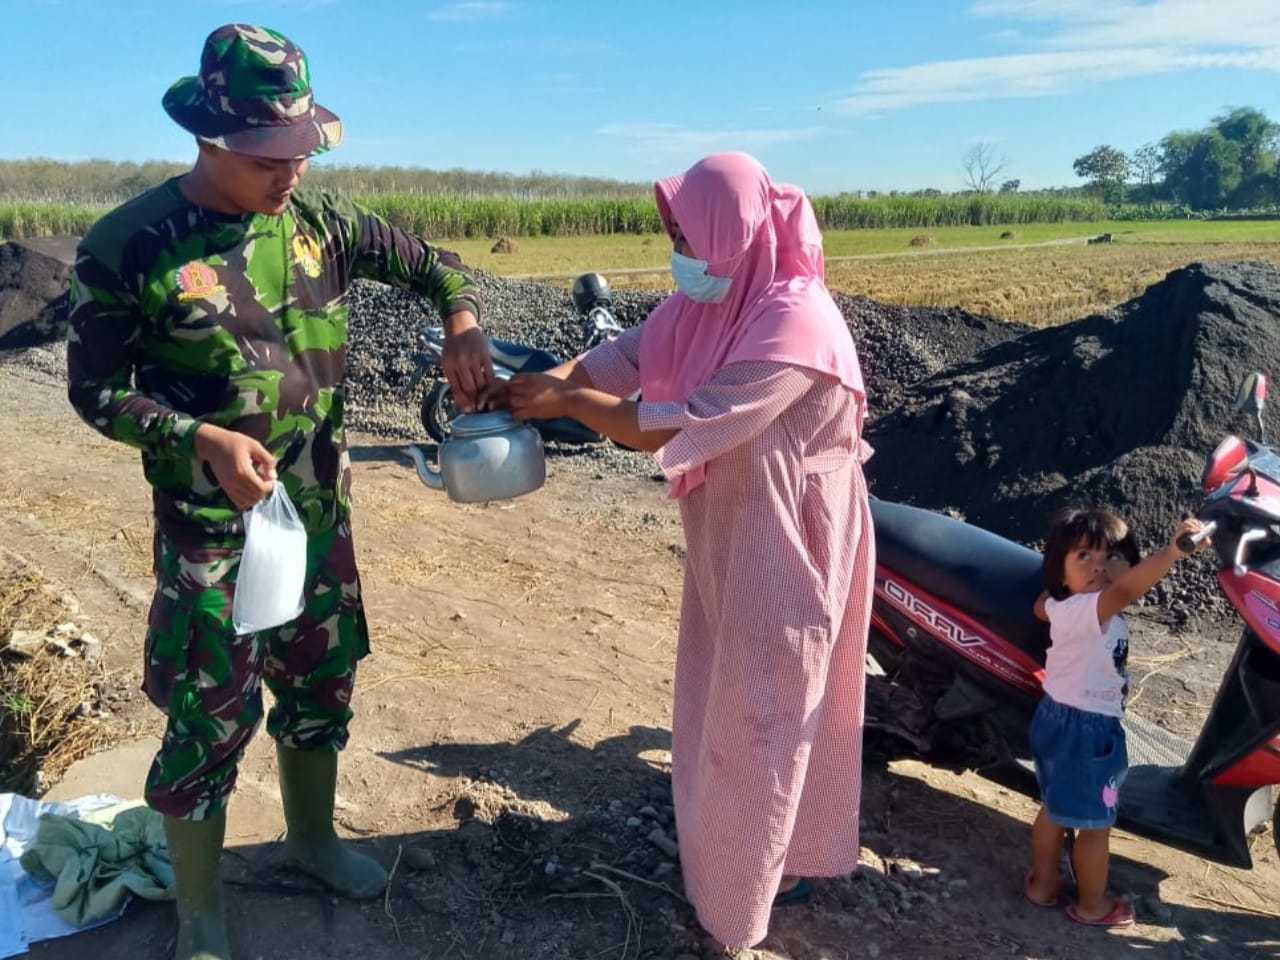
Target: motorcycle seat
{"type": "Point", "coordinates": [520, 357]}
{"type": "Point", "coordinates": [993, 580]}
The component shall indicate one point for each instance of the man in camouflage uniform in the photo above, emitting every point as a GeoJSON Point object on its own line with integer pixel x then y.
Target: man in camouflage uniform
{"type": "Point", "coordinates": [208, 329]}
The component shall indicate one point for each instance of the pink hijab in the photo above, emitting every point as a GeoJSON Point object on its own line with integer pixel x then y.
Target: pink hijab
{"type": "Point", "coordinates": [765, 237]}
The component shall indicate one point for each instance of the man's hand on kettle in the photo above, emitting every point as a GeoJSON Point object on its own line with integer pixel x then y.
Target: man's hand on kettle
{"type": "Point", "coordinates": [467, 363]}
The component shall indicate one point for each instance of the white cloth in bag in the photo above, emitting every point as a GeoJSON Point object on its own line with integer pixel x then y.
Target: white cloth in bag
{"type": "Point", "coordinates": [273, 566]}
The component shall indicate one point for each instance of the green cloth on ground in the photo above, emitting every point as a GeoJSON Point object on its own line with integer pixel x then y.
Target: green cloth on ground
{"type": "Point", "coordinates": [96, 862]}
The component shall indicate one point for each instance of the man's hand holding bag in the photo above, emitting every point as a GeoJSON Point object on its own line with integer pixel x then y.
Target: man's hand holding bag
{"type": "Point", "coordinates": [273, 566]}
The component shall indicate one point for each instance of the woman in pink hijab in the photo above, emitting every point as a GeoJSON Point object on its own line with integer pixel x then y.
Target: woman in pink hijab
{"type": "Point", "coordinates": [753, 404]}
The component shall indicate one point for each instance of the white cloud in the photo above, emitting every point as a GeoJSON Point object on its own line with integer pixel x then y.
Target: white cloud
{"type": "Point", "coordinates": [1046, 9]}
{"type": "Point", "coordinates": [470, 10]}
{"type": "Point", "coordinates": [1087, 42]}
{"type": "Point", "coordinates": [661, 142]}
{"type": "Point", "coordinates": [1194, 23]}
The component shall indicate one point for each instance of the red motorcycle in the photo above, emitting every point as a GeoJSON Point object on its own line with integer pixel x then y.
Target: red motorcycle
{"type": "Point", "coordinates": [959, 658]}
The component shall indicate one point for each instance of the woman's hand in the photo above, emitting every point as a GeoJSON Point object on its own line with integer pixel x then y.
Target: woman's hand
{"type": "Point", "coordinates": [537, 396]}
{"type": "Point", "coordinates": [496, 396]}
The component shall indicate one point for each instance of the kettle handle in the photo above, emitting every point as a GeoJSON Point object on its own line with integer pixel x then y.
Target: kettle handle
{"type": "Point", "coordinates": [429, 475]}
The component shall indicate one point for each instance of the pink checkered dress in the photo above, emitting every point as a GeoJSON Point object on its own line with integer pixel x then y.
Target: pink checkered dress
{"type": "Point", "coordinates": [770, 663]}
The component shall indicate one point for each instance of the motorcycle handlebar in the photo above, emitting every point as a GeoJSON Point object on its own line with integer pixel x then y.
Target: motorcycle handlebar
{"type": "Point", "coordinates": [1188, 542]}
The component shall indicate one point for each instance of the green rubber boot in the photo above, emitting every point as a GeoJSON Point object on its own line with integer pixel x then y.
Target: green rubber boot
{"type": "Point", "coordinates": [195, 847]}
{"type": "Point", "coordinates": [308, 780]}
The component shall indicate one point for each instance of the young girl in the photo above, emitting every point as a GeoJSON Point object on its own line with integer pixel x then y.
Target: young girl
{"type": "Point", "coordinates": [1092, 571]}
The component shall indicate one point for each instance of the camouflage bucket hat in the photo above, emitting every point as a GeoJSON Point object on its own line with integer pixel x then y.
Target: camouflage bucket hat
{"type": "Point", "coordinates": [253, 96]}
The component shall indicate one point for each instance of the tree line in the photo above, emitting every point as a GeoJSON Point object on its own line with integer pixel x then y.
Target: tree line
{"type": "Point", "coordinates": [110, 182]}
{"type": "Point", "coordinates": [1231, 164]}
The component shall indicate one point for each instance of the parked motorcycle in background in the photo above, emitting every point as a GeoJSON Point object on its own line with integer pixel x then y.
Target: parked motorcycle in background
{"type": "Point", "coordinates": [593, 301]}
{"type": "Point", "coordinates": [956, 657]}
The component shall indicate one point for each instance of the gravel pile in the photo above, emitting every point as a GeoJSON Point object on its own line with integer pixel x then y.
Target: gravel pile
{"type": "Point", "coordinates": [385, 321]}
{"type": "Point", "coordinates": [898, 346]}
{"type": "Point", "coordinates": [383, 327]}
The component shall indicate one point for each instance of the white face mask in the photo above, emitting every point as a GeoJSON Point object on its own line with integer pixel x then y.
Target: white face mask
{"type": "Point", "coordinates": [693, 280]}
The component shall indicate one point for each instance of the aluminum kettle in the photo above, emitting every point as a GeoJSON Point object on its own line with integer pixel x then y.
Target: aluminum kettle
{"type": "Point", "coordinates": [487, 456]}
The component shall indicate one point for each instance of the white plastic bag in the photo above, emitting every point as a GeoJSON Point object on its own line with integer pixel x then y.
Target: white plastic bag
{"type": "Point", "coordinates": [273, 566]}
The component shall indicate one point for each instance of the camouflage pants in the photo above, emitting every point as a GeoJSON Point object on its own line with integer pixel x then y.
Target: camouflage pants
{"type": "Point", "coordinates": [208, 681]}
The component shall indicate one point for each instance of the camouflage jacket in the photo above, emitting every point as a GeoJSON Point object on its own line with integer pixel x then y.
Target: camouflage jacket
{"type": "Point", "coordinates": [182, 316]}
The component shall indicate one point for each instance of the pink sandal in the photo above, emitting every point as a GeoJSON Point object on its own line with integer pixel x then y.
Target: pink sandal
{"type": "Point", "coordinates": [1026, 892]}
{"type": "Point", "coordinates": [1121, 915]}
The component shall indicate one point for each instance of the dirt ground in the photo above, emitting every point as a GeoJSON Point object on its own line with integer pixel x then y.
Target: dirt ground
{"type": "Point", "coordinates": [510, 750]}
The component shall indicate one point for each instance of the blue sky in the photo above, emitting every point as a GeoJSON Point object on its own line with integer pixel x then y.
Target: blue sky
{"type": "Point", "coordinates": [830, 94]}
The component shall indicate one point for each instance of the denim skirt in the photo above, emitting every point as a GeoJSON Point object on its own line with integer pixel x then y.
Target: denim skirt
{"type": "Point", "coordinates": [1080, 762]}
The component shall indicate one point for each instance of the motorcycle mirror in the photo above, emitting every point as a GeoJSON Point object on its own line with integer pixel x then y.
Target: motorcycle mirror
{"type": "Point", "coordinates": [591, 290]}
{"type": "Point", "coordinates": [1253, 394]}
{"type": "Point", "coordinates": [604, 321]}
{"type": "Point", "coordinates": [1252, 398]}
{"type": "Point", "coordinates": [1229, 458]}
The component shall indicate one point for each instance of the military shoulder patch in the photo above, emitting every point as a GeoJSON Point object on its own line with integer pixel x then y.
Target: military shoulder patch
{"type": "Point", "coordinates": [198, 281]}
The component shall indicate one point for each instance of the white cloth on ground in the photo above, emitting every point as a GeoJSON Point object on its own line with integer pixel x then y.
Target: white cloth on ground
{"type": "Point", "coordinates": [26, 912]}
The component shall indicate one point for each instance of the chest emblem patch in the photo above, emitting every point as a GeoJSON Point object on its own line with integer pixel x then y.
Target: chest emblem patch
{"type": "Point", "coordinates": [198, 281]}
{"type": "Point", "coordinates": [307, 252]}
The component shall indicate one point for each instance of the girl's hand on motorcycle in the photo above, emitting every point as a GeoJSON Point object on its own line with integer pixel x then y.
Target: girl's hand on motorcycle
{"type": "Point", "coordinates": [536, 396]}
{"type": "Point", "coordinates": [1186, 529]}
{"type": "Point", "coordinates": [496, 396]}
{"type": "Point", "coordinates": [466, 359]}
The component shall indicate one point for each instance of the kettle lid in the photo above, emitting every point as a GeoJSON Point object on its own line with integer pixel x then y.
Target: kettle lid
{"type": "Point", "coordinates": [475, 424]}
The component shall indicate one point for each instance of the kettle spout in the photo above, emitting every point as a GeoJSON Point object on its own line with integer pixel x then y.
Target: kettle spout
{"type": "Point", "coordinates": [432, 478]}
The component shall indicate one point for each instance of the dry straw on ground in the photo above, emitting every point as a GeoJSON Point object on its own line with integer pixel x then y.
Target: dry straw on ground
{"type": "Point", "coordinates": [1043, 287]}
{"type": "Point", "coordinates": [68, 513]}
{"type": "Point", "coordinates": [45, 695]}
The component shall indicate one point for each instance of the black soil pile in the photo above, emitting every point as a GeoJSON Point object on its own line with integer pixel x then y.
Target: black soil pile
{"type": "Point", "coordinates": [1117, 409]}
{"type": "Point", "coordinates": [34, 276]}
{"type": "Point", "coordinates": [899, 346]}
